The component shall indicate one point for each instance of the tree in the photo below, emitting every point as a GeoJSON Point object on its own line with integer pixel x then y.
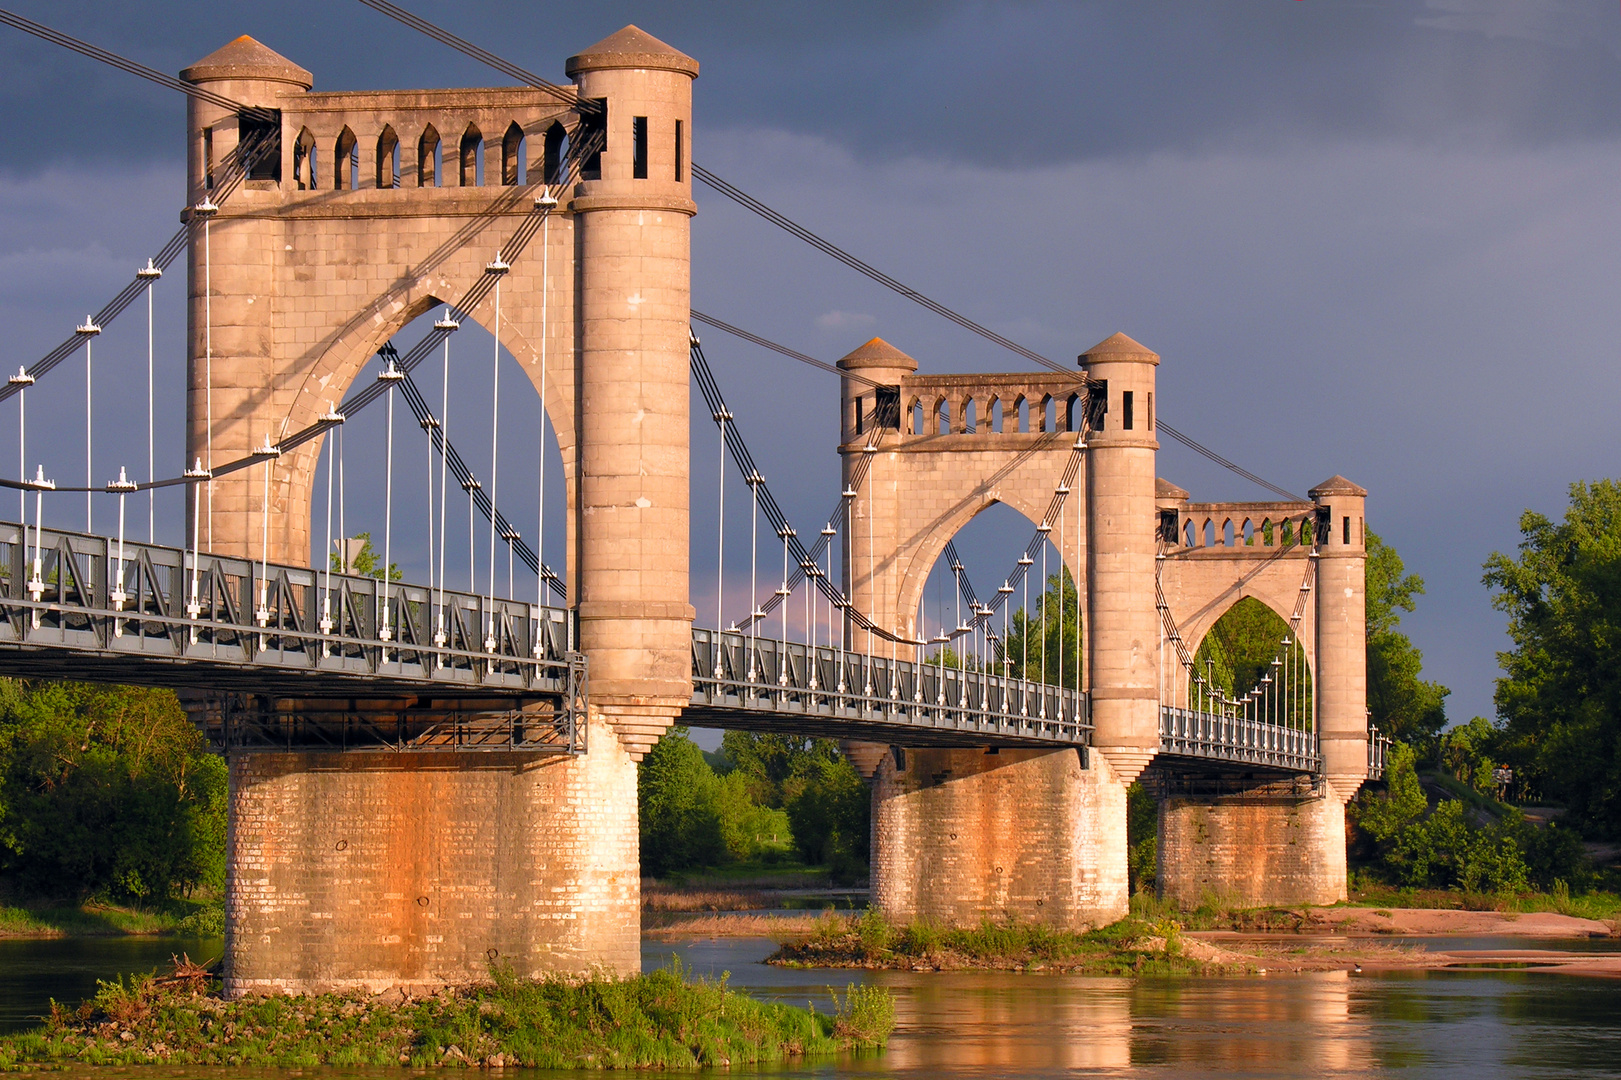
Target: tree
{"type": "Point", "coordinates": [1400, 702]}
{"type": "Point", "coordinates": [366, 561]}
{"type": "Point", "coordinates": [692, 818]}
{"type": "Point", "coordinates": [106, 791]}
{"type": "Point", "coordinates": [1559, 699]}
{"type": "Point", "coordinates": [1050, 632]}
{"type": "Point", "coordinates": [829, 806]}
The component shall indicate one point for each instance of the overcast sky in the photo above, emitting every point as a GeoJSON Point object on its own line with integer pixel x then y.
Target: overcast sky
{"type": "Point", "coordinates": [1371, 238]}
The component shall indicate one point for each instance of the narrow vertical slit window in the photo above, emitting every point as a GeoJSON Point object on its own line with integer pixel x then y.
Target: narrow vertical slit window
{"type": "Point", "coordinates": [208, 159]}
{"type": "Point", "coordinates": [679, 150]}
{"type": "Point", "coordinates": [859, 425]}
{"type": "Point", "coordinates": [638, 160]}
{"type": "Point", "coordinates": [1347, 529]}
{"type": "Point", "coordinates": [1151, 410]}
{"type": "Point", "coordinates": [1125, 410]}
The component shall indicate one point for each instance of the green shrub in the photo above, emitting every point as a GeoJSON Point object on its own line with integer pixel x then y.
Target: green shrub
{"type": "Point", "coordinates": [106, 791]}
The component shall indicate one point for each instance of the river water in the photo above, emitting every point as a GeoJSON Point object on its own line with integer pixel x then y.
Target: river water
{"type": "Point", "coordinates": [1466, 1024]}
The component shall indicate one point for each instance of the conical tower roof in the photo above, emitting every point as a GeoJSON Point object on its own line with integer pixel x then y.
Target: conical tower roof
{"type": "Point", "coordinates": [631, 47]}
{"type": "Point", "coordinates": [246, 58]}
{"type": "Point", "coordinates": [1164, 489]}
{"type": "Point", "coordinates": [1118, 347]}
{"type": "Point", "coordinates": [1338, 485]}
{"type": "Point", "coordinates": [877, 353]}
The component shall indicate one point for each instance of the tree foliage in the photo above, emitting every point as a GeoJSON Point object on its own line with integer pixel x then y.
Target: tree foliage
{"type": "Point", "coordinates": [1450, 847]}
{"type": "Point", "coordinates": [1559, 698]}
{"type": "Point", "coordinates": [691, 817]}
{"type": "Point", "coordinates": [1400, 702]}
{"type": "Point", "coordinates": [1048, 634]}
{"type": "Point", "coordinates": [106, 791]}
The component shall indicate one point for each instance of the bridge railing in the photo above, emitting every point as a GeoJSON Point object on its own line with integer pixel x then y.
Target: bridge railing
{"type": "Point", "coordinates": [131, 603]}
{"type": "Point", "coordinates": [734, 671]}
{"type": "Point", "coordinates": [1378, 752]}
{"type": "Point", "coordinates": [1218, 737]}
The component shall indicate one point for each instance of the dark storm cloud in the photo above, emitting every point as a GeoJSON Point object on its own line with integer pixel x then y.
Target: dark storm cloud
{"type": "Point", "coordinates": [1019, 83]}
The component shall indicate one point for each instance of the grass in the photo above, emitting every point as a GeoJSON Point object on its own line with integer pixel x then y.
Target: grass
{"type": "Point", "coordinates": [1131, 946]}
{"type": "Point", "coordinates": [754, 875]}
{"type": "Point", "coordinates": [662, 1020]}
{"type": "Point", "coordinates": [1602, 906]}
{"type": "Point", "coordinates": [187, 918]}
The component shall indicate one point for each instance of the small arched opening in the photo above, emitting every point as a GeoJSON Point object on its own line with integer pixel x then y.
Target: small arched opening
{"type": "Point", "coordinates": [429, 172]}
{"type": "Point", "coordinates": [970, 417]}
{"type": "Point", "coordinates": [304, 166]}
{"type": "Point", "coordinates": [345, 161]}
{"type": "Point", "coordinates": [553, 154]}
{"type": "Point", "coordinates": [513, 165]}
{"type": "Point", "coordinates": [388, 158]}
{"type": "Point", "coordinates": [472, 157]}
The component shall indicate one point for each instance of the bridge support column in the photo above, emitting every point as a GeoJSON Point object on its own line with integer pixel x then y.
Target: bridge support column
{"type": "Point", "coordinates": [1252, 851]}
{"type": "Point", "coordinates": [420, 870]}
{"type": "Point", "coordinates": [1034, 835]}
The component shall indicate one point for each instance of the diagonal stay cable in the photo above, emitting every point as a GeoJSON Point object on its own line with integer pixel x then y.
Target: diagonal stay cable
{"type": "Point", "coordinates": [567, 95]}
{"type": "Point", "coordinates": [464, 475]}
{"type": "Point", "coordinates": [84, 48]}
{"type": "Point", "coordinates": [749, 202]}
{"type": "Point", "coordinates": [1224, 463]}
{"type": "Point", "coordinates": [233, 170]}
{"type": "Point", "coordinates": [742, 198]}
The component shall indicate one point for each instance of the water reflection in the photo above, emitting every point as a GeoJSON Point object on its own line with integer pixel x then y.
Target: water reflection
{"type": "Point", "coordinates": [1470, 1024]}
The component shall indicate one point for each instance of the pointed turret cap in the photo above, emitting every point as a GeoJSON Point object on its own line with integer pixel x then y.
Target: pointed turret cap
{"type": "Point", "coordinates": [1118, 347]}
{"type": "Point", "coordinates": [1338, 485]}
{"type": "Point", "coordinates": [631, 47]}
{"type": "Point", "coordinates": [245, 58]}
{"type": "Point", "coordinates": [1164, 489]}
{"type": "Point", "coordinates": [877, 353]}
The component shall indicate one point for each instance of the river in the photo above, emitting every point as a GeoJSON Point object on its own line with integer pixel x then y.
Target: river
{"type": "Point", "coordinates": [1468, 1024]}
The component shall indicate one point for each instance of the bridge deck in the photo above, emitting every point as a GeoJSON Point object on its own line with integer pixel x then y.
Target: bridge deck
{"type": "Point", "coordinates": [87, 607]}
{"type": "Point", "coordinates": [761, 684]}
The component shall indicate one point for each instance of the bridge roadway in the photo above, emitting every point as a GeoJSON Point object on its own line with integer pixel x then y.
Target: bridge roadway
{"type": "Point", "coordinates": [339, 663]}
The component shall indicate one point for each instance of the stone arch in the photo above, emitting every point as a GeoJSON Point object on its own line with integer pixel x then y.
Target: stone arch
{"type": "Point", "coordinates": [333, 364]}
{"type": "Point", "coordinates": [940, 419]}
{"type": "Point", "coordinates": [512, 146]}
{"type": "Point", "coordinates": [913, 568]}
{"type": "Point", "coordinates": [1225, 536]}
{"type": "Point", "coordinates": [1072, 413]}
{"type": "Point", "coordinates": [345, 149]}
{"type": "Point", "coordinates": [305, 172]}
{"type": "Point", "coordinates": [1266, 641]}
{"type": "Point", "coordinates": [914, 417]}
{"type": "Point", "coordinates": [1021, 408]}
{"type": "Point", "coordinates": [471, 156]}
{"type": "Point", "coordinates": [428, 174]}
{"type": "Point", "coordinates": [388, 158]}
{"type": "Point", "coordinates": [970, 416]}
{"type": "Point", "coordinates": [993, 415]}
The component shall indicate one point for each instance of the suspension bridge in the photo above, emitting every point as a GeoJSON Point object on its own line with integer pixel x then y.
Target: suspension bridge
{"type": "Point", "coordinates": [427, 778]}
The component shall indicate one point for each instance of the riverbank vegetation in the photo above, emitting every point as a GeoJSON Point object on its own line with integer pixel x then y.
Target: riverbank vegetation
{"type": "Point", "coordinates": [663, 1020]}
{"type": "Point", "coordinates": [1132, 946]}
{"type": "Point", "coordinates": [764, 805]}
{"type": "Point", "coordinates": [112, 812]}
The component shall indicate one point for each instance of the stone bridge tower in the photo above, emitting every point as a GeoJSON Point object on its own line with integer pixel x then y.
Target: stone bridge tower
{"type": "Point", "coordinates": [959, 835]}
{"type": "Point", "coordinates": [377, 869]}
